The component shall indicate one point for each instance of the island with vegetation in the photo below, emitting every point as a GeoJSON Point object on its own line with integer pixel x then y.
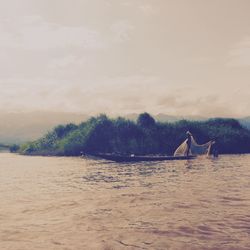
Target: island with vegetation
{"type": "Point", "coordinates": [145, 136]}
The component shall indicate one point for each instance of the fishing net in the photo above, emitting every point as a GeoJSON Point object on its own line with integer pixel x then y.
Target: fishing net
{"type": "Point", "coordinates": [195, 148]}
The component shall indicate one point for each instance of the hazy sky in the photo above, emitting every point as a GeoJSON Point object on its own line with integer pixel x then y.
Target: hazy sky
{"type": "Point", "coordinates": [178, 57]}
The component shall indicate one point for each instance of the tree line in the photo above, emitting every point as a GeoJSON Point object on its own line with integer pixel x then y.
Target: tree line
{"type": "Point", "coordinates": [145, 136]}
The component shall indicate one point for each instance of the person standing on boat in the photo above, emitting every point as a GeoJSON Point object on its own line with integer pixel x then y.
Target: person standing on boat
{"type": "Point", "coordinates": [188, 141]}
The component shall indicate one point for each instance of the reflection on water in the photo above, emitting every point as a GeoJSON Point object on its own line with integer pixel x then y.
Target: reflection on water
{"type": "Point", "coordinates": [74, 203]}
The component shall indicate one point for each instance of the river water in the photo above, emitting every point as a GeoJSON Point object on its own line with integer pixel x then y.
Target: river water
{"type": "Point", "coordinates": [74, 203]}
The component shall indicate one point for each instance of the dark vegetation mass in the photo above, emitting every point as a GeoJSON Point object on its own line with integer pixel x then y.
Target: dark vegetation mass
{"type": "Point", "coordinates": [146, 136]}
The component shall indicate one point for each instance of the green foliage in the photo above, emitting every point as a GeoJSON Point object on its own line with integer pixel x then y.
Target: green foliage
{"type": "Point", "coordinates": [145, 120]}
{"type": "Point", "coordinates": [103, 135]}
{"type": "Point", "coordinates": [62, 131]}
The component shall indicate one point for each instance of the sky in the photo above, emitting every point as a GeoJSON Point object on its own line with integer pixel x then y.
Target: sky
{"type": "Point", "coordinates": [177, 57]}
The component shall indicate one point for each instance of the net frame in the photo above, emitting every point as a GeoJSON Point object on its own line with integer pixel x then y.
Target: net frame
{"type": "Point", "coordinates": [195, 148]}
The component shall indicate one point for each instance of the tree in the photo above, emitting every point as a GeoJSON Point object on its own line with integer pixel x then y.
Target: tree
{"type": "Point", "coordinates": [145, 120]}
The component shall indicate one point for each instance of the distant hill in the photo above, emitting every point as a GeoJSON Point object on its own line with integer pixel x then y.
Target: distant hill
{"type": "Point", "coordinates": [168, 118]}
{"type": "Point", "coordinates": [245, 122]}
{"type": "Point", "coordinates": [21, 127]}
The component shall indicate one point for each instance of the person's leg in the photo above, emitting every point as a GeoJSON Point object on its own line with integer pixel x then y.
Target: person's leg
{"type": "Point", "coordinates": [188, 149]}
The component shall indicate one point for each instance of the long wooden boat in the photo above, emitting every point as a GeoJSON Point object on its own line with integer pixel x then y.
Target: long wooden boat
{"type": "Point", "coordinates": [136, 158]}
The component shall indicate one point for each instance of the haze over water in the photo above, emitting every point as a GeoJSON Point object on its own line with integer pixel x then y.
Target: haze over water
{"type": "Point", "coordinates": [74, 203]}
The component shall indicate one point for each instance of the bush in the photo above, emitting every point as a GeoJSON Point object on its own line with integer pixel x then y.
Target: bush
{"type": "Point", "coordinates": [14, 148]}
{"type": "Point", "coordinates": [103, 135]}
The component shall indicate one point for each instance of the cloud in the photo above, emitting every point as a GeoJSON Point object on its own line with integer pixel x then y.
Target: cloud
{"type": "Point", "coordinates": [34, 33]}
{"type": "Point", "coordinates": [118, 95]}
{"type": "Point", "coordinates": [66, 61]}
{"type": "Point", "coordinates": [85, 56]}
{"type": "Point", "coordinates": [239, 55]}
{"type": "Point", "coordinates": [139, 93]}
{"type": "Point", "coordinates": [147, 9]}
{"type": "Point", "coordinates": [121, 31]}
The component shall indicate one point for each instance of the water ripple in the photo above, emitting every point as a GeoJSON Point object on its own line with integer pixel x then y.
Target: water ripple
{"type": "Point", "coordinates": [74, 203]}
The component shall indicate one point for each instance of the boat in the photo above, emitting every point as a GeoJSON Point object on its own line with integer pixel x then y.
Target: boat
{"type": "Point", "coordinates": [187, 150]}
{"type": "Point", "coordinates": [137, 158]}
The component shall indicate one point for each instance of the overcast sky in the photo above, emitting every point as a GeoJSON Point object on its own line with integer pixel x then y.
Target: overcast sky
{"type": "Point", "coordinates": [178, 57]}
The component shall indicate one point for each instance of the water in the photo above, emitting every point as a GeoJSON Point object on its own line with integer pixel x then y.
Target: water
{"type": "Point", "coordinates": [73, 203]}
